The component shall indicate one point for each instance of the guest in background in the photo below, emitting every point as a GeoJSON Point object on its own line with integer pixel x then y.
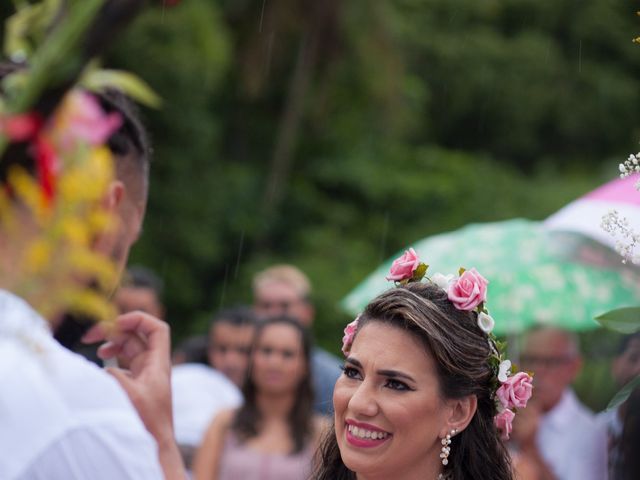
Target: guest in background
{"type": "Point", "coordinates": [625, 366]}
{"type": "Point", "coordinates": [556, 432]}
{"type": "Point", "coordinates": [140, 289]}
{"type": "Point", "coordinates": [274, 435]}
{"type": "Point", "coordinates": [630, 440]}
{"type": "Point", "coordinates": [285, 290]}
{"type": "Point", "coordinates": [230, 337]}
{"type": "Point", "coordinates": [193, 349]}
{"type": "Point", "coordinates": [199, 394]}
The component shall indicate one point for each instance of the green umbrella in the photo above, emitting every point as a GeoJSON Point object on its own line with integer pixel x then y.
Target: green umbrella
{"type": "Point", "coordinates": [536, 277]}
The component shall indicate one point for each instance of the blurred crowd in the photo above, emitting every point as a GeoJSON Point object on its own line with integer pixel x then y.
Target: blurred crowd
{"type": "Point", "coordinates": [253, 396]}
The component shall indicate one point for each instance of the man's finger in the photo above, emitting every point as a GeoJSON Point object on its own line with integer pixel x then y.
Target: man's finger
{"type": "Point", "coordinates": [97, 333]}
{"type": "Point", "coordinates": [156, 332]}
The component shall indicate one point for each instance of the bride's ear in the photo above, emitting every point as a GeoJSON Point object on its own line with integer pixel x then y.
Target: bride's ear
{"type": "Point", "coordinates": [460, 411]}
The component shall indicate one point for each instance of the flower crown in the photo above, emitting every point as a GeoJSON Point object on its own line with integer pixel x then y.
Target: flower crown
{"type": "Point", "coordinates": [467, 292]}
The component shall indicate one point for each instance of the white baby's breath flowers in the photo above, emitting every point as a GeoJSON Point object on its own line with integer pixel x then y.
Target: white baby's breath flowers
{"type": "Point", "coordinates": [486, 322]}
{"type": "Point", "coordinates": [442, 281]}
{"type": "Point", "coordinates": [630, 166]}
{"type": "Point", "coordinates": [627, 241]}
{"type": "Point", "coordinates": [504, 370]}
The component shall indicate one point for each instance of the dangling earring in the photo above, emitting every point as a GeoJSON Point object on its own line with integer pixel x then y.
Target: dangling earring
{"type": "Point", "coordinates": [446, 449]}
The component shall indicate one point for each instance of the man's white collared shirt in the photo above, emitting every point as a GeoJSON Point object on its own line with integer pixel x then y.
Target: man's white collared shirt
{"type": "Point", "coordinates": [571, 442]}
{"type": "Point", "coordinates": [62, 417]}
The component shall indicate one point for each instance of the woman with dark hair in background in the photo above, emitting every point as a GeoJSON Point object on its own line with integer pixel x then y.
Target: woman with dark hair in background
{"type": "Point", "coordinates": [425, 390]}
{"type": "Point", "coordinates": [274, 435]}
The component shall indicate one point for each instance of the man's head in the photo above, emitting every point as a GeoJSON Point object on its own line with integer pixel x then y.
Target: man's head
{"type": "Point", "coordinates": [626, 365]}
{"type": "Point", "coordinates": [553, 356]}
{"type": "Point", "coordinates": [141, 289]}
{"type": "Point", "coordinates": [230, 339]}
{"type": "Point", "coordinates": [127, 194]}
{"type": "Point", "coordinates": [283, 290]}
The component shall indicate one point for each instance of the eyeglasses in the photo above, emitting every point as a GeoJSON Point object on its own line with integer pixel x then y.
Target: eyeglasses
{"type": "Point", "coordinates": [282, 306]}
{"type": "Point", "coordinates": [545, 362]}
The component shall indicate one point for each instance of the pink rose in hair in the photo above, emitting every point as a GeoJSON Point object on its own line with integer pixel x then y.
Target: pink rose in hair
{"type": "Point", "coordinates": [468, 291]}
{"type": "Point", "coordinates": [516, 391]}
{"type": "Point", "coordinates": [503, 422]}
{"type": "Point", "coordinates": [403, 267]}
{"type": "Point", "coordinates": [349, 333]}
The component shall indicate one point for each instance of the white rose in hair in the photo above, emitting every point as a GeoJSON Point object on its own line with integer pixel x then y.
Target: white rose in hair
{"type": "Point", "coordinates": [486, 322]}
{"type": "Point", "coordinates": [442, 281]}
{"type": "Point", "coordinates": [505, 369]}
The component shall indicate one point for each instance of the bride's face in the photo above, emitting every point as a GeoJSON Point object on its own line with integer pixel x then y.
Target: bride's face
{"type": "Point", "coordinates": [389, 414]}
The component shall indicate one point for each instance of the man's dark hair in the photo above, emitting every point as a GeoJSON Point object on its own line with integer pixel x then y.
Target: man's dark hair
{"type": "Point", "coordinates": [141, 277]}
{"type": "Point", "coordinates": [236, 316]}
{"type": "Point", "coordinates": [193, 349]}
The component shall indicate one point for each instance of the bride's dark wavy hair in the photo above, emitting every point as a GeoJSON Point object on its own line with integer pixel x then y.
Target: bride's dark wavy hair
{"type": "Point", "coordinates": [461, 352]}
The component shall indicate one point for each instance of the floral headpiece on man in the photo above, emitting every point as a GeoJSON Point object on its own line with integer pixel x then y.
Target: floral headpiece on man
{"type": "Point", "coordinates": [468, 292]}
{"type": "Point", "coordinates": [55, 162]}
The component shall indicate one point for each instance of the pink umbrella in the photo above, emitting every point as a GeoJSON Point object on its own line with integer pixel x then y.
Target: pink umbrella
{"type": "Point", "coordinates": [584, 215]}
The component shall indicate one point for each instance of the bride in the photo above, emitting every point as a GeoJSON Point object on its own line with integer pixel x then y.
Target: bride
{"type": "Point", "coordinates": [426, 392]}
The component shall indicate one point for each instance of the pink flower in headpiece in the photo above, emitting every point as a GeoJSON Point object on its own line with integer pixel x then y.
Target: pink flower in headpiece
{"type": "Point", "coordinates": [516, 391]}
{"type": "Point", "coordinates": [83, 119]}
{"type": "Point", "coordinates": [468, 291]}
{"type": "Point", "coordinates": [404, 266]}
{"type": "Point", "coordinates": [349, 333]}
{"type": "Point", "coordinates": [504, 422]}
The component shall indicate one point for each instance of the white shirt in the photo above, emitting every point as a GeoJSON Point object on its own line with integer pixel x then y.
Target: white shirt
{"type": "Point", "coordinates": [199, 393]}
{"type": "Point", "coordinates": [62, 417]}
{"type": "Point", "coordinates": [571, 442]}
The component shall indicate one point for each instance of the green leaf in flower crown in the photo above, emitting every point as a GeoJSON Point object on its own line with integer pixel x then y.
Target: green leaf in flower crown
{"type": "Point", "coordinates": [128, 83]}
{"type": "Point", "coordinates": [461, 270]}
{"type": "Point", "coordinates": [624, 393]}
{"type": "Point", "coordinates": [419, 272]}
{"type": "Point", "coordinates": [26, 29]}
{"type": "Point", "coordinates": [624, 320]}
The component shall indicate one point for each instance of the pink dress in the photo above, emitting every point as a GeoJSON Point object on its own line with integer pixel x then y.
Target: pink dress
{"type": "Point", "coordinates": [240, 462]}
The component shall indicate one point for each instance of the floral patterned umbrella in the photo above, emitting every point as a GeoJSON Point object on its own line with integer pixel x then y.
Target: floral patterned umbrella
{"type": "Point", "coordinates": [584, 214]}
{"type": "Point", "coordinates": [536, 276]}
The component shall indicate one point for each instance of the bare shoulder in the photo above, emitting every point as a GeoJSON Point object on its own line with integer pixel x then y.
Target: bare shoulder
{"type": "Point", "coordinates": [226, 417]}
{"type": "Point", "coordinates": [221, 423]}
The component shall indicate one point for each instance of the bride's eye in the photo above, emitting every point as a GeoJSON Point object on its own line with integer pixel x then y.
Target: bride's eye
{"type": "Point", "coordinates": [351, 372]}
{"type": "Point", "coordinates": [397, 385]}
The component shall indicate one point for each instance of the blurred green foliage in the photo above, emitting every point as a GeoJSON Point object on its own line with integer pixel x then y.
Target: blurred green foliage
{"type": "Point", "coordinates": [331, 134]}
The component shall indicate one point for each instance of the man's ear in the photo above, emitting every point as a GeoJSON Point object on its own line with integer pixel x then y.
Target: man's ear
{"type": "Point", "coordinates": [114, 196]}
{"type": "Point", "coordinates": [460, 414]}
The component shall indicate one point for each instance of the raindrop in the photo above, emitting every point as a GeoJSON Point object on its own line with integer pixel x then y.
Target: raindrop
{"type": "Point", "coordinates": [223, 292]}
{"type": "Point", "coordinates": [580, 57]}
{"type": "Point", "coordinates": [383, 237]}
{"type": "Point", "coordinates": [240, 245]}
{"type": "Point", "coordinates": [264, 2]}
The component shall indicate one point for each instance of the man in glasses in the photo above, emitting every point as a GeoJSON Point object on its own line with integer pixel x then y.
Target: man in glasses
{"type": "Point", "coordinates": [285, 290]}
{"type": "Point", "coordinates": [557, 432]}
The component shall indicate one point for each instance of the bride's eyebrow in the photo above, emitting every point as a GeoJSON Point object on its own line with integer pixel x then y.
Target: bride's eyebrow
{"type": "Point", "coordinates": [395, 374]}
{"type": "Point", "coordinates": [384, 373]}
{"type": "Point", "coordinates": [353, 362]}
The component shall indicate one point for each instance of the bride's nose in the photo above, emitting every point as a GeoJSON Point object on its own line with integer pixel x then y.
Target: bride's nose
{"type": "Point", "coordinates": [364, 400]}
